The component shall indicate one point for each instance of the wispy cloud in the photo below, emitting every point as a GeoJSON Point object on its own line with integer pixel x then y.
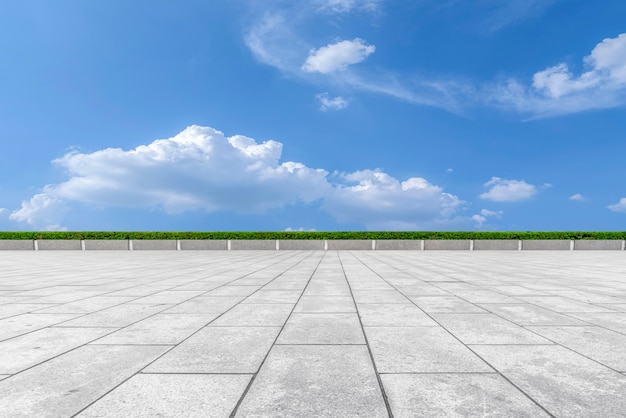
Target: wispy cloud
{"type": "Point", "coordinates": [331, 103]}
{"type": "Point", "coordinates": [346, 6]}
{"type": "Point", "coordinates": [503, 190]}
{"type": "Point", "coordinates": [202, 169]}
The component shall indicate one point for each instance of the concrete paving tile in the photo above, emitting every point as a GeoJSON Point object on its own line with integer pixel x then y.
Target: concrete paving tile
{"type": "Point", "coordinates": [615, 321]}
{"type": "Point", "coordinates": [478, 328]}
{"type": "Point", "coordinates": [285, 285]}
{"type": "Point", "coordinates": [171, 395]}
{"type": "Point", "coordinates": [25, 323]}
{"type": "Point", "coordinates": [117, 316]}
{"type": "Point", "coordinates": [12, 309]}
{"type": "Point", "coordinates": [360, 284]}
{"type": "Point", "coordinates": [516, 290]}
{"type": "Point", "coordinates": [456, 395]}
{"type": "Point", "coordinates": [88, 305]}
{"type": "Point", "coordinates": [315, 381]}
{"type": "Point", "coordinates": [452, 304]}
{"type": "Point", "coordinates": [66, 384]}
{"type": "Point", "coordinates": [562, 304]}
{"type": "Point", "coordinates": [334, 289]}
{"type": "Point", "coordinates": [379, 296]}
{"type": "Point", "coordinates": [274, 296]}
{"type": "Point", "coordinates": [604, 346]}
{"type": "Point", "coordinates": [618, 307]}
{"type": "Point", "coordinates": [484, 296]}
{"type": "Point", "coordinates": [256, 315]}
{"type": "Point", "coordinates": [219, 350]}
{"type": "Point", "coordinates": [162, 328]}
{"type": "Point", "coordinates": [25, 351]}
{"type": "Point", "coordinates": [421, 290]}
{"type": "Point", "coordinates": [4, 376]}
{"type": "Point", "coordinates": [206, 305]}
{"type": "Point", "coordinates": [528, 314]}
{"type": "Point", "coordinates": [566, 384]}
{"type": "Point", "coordinates": [587, 297]}
{"type": "Point", "coordinates": [169, 296]}
{"type": "Point", "coordinates": [229, 290]}
{"type": "Point", "coordinates": [393, 314]}
{"type": "Point", "coordinates": [420, 350]}
{"type": "Point", "coordinates": [327, 304]}
{"type": "Point", "coordinates": [322, 328]}
{"type": "Point", "coordinates": [139, 291]}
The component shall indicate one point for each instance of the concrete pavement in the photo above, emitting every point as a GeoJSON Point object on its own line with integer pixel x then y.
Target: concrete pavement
{"type": "Point", "coordinates": [312, 333]}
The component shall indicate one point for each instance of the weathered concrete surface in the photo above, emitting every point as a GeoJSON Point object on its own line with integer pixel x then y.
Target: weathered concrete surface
{"type": "Point", "coordinates": [312, 333]}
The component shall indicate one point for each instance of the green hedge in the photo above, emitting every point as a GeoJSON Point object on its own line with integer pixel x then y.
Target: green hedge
{"type": "Point", "coordinates": [379, 235]}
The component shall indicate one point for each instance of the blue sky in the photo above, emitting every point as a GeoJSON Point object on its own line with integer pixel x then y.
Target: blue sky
{"type": "Point", "coordinates": [313, 115]}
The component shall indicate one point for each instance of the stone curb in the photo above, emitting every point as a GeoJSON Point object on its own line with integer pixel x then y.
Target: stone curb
{"type": "Point", "coordinates": [317, 245]}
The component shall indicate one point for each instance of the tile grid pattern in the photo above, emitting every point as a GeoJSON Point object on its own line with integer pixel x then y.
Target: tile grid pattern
{"type": "Point", "coordinates": [312, 333]}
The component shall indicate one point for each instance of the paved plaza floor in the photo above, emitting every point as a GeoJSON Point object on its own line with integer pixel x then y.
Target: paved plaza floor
{"type": "Point", "coordinates": [312, 334]}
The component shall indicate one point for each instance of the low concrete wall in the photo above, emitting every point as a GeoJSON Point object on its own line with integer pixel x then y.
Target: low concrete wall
{"type": "Point", "coordinates": [349, 244]}
{"type": "Point", "coordinates": [253, 244]}
{"type": "Point", "coordinates": [58, 244]}
{"type": "Point", "coordinates": [106, 244]}
{"type": "Point", "coordinates": [153, 244]}
{"type": "Point", "coordinates": [203, 244]}
{"type": "Point", "coordinates": [399, 244]}
{"type": "Point", "coordinates": [17, 244]}
{"type": "Point", "coordinates": [496, 244]}
{"type": "Point", "coordinates": [301, 244]}
{"type": "Point", "coordinates": [447, 244]}
{"type": "Point", "coordinates": [317, 245]}
{"type": "Point", "coordinates": [615, 245]}
{"type": "Point", "coordinates": [546, 244]}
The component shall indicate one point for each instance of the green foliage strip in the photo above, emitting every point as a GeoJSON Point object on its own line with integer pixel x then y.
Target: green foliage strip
{"type": "Point", "coordinates": [287, 235]}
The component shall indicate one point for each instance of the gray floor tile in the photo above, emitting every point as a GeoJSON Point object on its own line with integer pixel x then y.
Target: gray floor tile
{"type": "Point", "coordinates": [615, 321]}
{"type": "Point", "coordinates": [602, 345]}
{"type": "Point", "coordinates": [117, 316]}
{"type": "Point", "coordinates": [172, 395]}
{"type": "Point", "coordinates": [257, 315]}
{"type": "Point", "coordinates": [565, 383]}
{"type": "Point", "coordinates": [28, 350]}
{"type": "Point", "coordinates": [206, 305]}
{"type": "Point", "coordinates": [529, 314]}
{"type": "Point", "coordinates": [63, 386]}
{"type": "Point", "coordinates": [420, 350]}
{"type": "Point", "coordinates": [219, 350]}
{"type": "Point", "coordinates": [274, 296]}
{"type": "Point", "coordinates": [315, 381]}
{"type": "Point", "coordinates": [379, 296]}
{"type": "Point", "coordinates": [452, 304]}
{"type": "Point", "coordinates": [25, 323]}
{"type": "Point", "coordinates": [562, 304]}
{"type": "Point", "coordinates": [169, 296]}
{"type": "Point", "coordinates": [233, 291]}
{"type": "Point", "coordinates": [88, 305]}
{"type": "Point", "coordinates": [456, 395]}
{"type": "Point", "coordinates": [162, 328]}
{"type": "Point", "coordinates": [12, 309]}
{"type": "Point", "coordinates": [323, 328]}
{"type": "Point", "coordinates": [393, 314]}
{"type": "Point", "coordinates": [478, 328]}
{"type": "Point", "coordinates": [327, 304]}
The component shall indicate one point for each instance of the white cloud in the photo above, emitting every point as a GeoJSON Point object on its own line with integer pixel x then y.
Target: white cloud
{"type": "Point", "coordinates": [557, 90]}
{"type": "Point", "coordinates": [503, 190]}
{"type": "Point", "coordinates": [42, 211]}
{"type": "Point", "coordinates": [449, 170]}
{"type": "Point", "coordinates": [577, 197]}
{"type": "Point", "coordinates": [337, 56]}
{"type": "Point", "coordinates": [201, 169]}
{"type": "Point", "coordinates": [619, 206]}
{"type": "Point", "coordinates": [382, 202]}
{"type": "Point", "coordinates": [481, 218]}
{"type": "Point", "coordinates": [3, 210]}
{"type": "Point", "coordinates": [301, 229]}
{"type": "Point", "coordinates": [345, 6]}
{"type": "Point", "coordinates": [331, 103]}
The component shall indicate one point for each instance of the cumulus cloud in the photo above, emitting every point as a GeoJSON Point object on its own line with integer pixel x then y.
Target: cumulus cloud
{"type": "Point", "coordinates": [202, 169]}
{"type": "Point", "coordinates": [619, 206]}
{"type": "Point", "coordinates": [380, 201]}
{"type": "Point", "coordinates": [577, 197]}
{"type": "Point", "coordinates": [301, 229]}
{"type": "Point", "coordinates": [337, 56]}
{"type": "Point", "coordinates": [331, 103]}
{"type": "Point", "coordinates": [503, 190]}
{"type": "Point", "coordinates": [557, 90]}
{"type": "Point", "coordinates": [42, 211]}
